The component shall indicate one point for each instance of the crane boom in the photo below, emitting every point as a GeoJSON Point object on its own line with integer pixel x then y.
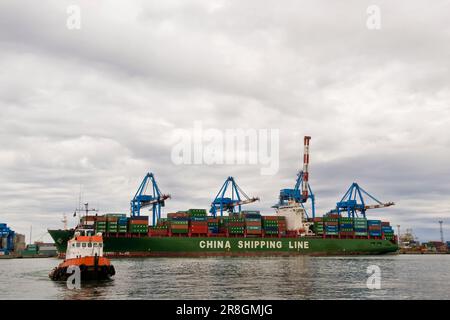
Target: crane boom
{"type": "Point", "coordinates": [353, 201]}
{"type": "Point", "coordinates": [251, 200]}
{"type": "Point", "coordinates": [376, 206]}
{"type": "Point", "coordinates": [155, 198]}
{"type": "Point", "coordinates": [238, 198]}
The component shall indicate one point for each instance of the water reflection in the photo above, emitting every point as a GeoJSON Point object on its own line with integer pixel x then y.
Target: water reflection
{"type": "Point", "coordinates": [403, 277]}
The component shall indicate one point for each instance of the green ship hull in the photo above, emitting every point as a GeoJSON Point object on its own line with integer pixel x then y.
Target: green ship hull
{"type": "Point", "coordinates": [229, 246]}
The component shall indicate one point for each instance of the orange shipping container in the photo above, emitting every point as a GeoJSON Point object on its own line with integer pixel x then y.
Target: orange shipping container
{"type": "Point", "coordinates": [138, 222]}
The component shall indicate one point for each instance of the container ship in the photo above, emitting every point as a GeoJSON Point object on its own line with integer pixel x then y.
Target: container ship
{"type": "Point", "coordinates": [227, 230]}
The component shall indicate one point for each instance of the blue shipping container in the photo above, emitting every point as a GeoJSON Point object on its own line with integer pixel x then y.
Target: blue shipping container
{"type": "Point", "coordinates": [199, 218]}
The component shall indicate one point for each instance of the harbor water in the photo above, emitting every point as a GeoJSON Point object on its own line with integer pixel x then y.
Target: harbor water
{"type": "Point", "coordinates": [400, 277]}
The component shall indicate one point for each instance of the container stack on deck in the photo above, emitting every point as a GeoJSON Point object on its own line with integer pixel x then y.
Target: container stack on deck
{"type": "Point", "coordinates": [235, 225]}
{"type": "Point", "coordinates": [346, 226]}
{"type": "Point", "coordinates": [100, 224]}
{"type": "Point", "coordinates": [213, 225]}
{"type": "Point", "coordinates": [198, 221]}
{"type": "Point", "coordinates": [387, 231]}
{"type": "Point", "coordinates": [360, 227]}
{"type": "Point", "coordinates": [318, 226]}
{"type": "Point", "coordinates": [223, 225]}
{"type": "Point", "coordinates": [122, 223]}
{"type": "Point", "coordinates": [161, 228]}
{"type": "Point", "coordinates": [138, 224]}
{"type": "Point", "coordinates": [374, 227]}
{"type": "Point", "coordinates": [253, 225]}
{"type": "Point", "coordinates": [112, 222]}
{"type": "Point", "coordinates": [331, 224]}
{"type": "Point", "coordinates": [178, 222]}
{"type": "Point", "coordinates": [274, 225]}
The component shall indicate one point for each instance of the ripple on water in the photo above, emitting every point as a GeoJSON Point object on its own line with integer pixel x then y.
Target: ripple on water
{"type": "Point", "coordinates": [402, 277]}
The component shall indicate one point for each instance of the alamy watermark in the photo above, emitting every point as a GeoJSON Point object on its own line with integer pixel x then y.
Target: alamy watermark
{"type": "Point", "coordinates": [199, 146]}
{"type": "Point", "coordinates": [74, 280]}
{"type": "Point", "coordinates": [373, 21]}
{"type": "Point", "coordinates": [73, 21]}
{"type": "Point", "coordinates": [374, 280]}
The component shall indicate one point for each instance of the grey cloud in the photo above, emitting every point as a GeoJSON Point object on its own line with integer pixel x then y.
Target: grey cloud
{"type": "Point", "coordinates": [98, 106]}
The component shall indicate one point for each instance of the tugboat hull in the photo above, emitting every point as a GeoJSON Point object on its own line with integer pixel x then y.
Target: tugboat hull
{"type": "Point", "coordinates": [87, 273]}
{"type": "Point", "coordinates": [91, 268]}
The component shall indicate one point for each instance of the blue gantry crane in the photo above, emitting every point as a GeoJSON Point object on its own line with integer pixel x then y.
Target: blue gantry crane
{"type": "Point", "coordinates": [302, 190]}
{"type": "Point", "coordinates": [353, 202]}
{"type": "Point", "coordinates": [155, 198]}
{"type": "Point", "coordinates": [222, 202]}
{"type": "Point", "coordinates": [296, 195]}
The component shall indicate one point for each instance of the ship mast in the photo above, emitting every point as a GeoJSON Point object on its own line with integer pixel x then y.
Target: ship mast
{"type": "Point", "coordinates": [64, 221]}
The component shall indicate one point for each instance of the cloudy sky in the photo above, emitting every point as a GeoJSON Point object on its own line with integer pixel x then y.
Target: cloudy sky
{"type": "Point", "coordinates": [97, 107]}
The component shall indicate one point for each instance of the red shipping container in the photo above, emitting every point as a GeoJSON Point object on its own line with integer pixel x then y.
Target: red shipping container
{"type": "Point", "coordinates": [139, 218]}
{"type": "Point", "coordinates": [158, 232]}
{"type": "Point", "coordinates": [236, 224]}
{"type": "Point", "coordinates": [199, 230]}
{"type": "Point", "coordinates": [178, 215]}
{"type": "Point", "coordinates": [179, 226]}
{"type": "Point", "coordinates": [270, 217]}
{"type": "Point", "coordinates": [138, 222]}
{"type": "Point", "coordinates": [253, 224]}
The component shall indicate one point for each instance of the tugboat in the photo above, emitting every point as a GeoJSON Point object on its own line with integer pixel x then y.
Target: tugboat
{"type": "Point", "coordinates": [85, 250]}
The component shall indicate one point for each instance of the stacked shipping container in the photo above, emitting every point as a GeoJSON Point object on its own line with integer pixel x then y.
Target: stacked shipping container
{"type": "Point", "coordinates": [346, 226]}
{"type": "Point", "coordinates": [122, 223]}
{"type": "Point", "coordinates": [248, 223]}
{"type": "Point", "coordinates": [198, 221]}
{"type": "Point", "coordinates": [213, 225]}
{"type": "Point", "coordinates": [161, 228]}
{"type": "Point", "coordinates": [274, 225]}
{"type": "Point", "coordinates": [100, 224]}
{"type": "Point", "coordinates": [374, 227]}
{"type": "Point", "coordinates": [178, 222]}
{"type": "Point", "coordinates": [112, 222]}
{"type": "Point", "coordinates": [253, 224]}
{"type": "Point", "coordinates": [387, 231]}
{"type": "Point", "coordinates": [138, 224]}
{"type": "Point", "coordinates": [331, 224]}
{"type": "Point", "coordinates": [235, 224]}
{"type": "Point", "coordinates": [360, 225]}
{"type": "Point", "coordinates": [318, 226]}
